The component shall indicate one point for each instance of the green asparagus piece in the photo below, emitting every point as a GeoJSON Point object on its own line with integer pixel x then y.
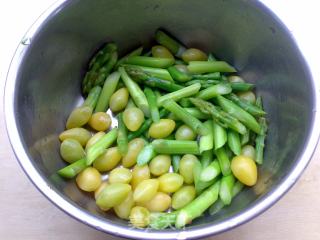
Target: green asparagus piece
{"type": "Point", "coordinates": [198, 184]}
{"type": "Point", "coordinates": [100, 146]}
{"type": "Point", "coordinates": [215, 90]}
{"type": "Point", "coordinates": [182, 93]}
{"type": "Point", "coordinates": [198, 67]}
{"type": "Point", "coordinates": [245, 138]}
{"type": "Point", "coordinates": [174, 46]}
{"type": "Point", "coordinates": [73, 169]}
{"type": "Point", "coordinates": [210, 172]}
{"type": "Point", "coordinates": [219, 136]}
{"type": "Point", "coordinates": [108, 89]}
{"type": "Point", "coordinates": [206, 158]}
{"type": "Point", "coordinates": [206, 142]}
{"type": "Point", "coordinates": [259, 102]}
{"type": "Point", "coordinates": [94, 77]}
{"type": "Point", "coordinates": [152, 101]}
{"type": "Point", "coordinates": [146, 154]}
{"type": "Point", "coordinates": [246, 118]}
{"type": "Point", "coordinates": [226, 186]}
{"type": "Point", "coordinates": [130, 104]}
{"type": "Point", "coordinates": [218, 205]}
{"type": "Point", "coordinates": [136, 52]}
{"type": "Point", "coordinates": [211, 58]}
{"type": "Point", "coordinates": [250, 108]}
{"type": "Point", "coordinates": [145, 126]}
{"type": "Point", "coordinates": [153, 81]}
{"type": "Point", "coordinates": [224, 161]}
{"type": "Point", "coordinates": [198, 206]}
{"type": "Point", "coordinates": [176, 162]}
{"type": "Point", "coordinates": [178, 75]}
{"type": "Point", "coordinates": [186, 117]}
{"type": "Point", "coordinates": [98, 76]}
{"type": "Point", "coordinates": [102, 56]}
{"type": "Point", "coordinates": [195, 112]}
{"type": "Point", "coordinates": [122, 139]}
{"type": "Point", "coordinates": [204, 83]}
{"type": "Point", "coordinates": [163, 146]}
{"type": "Point", "coordinates": [92, 98]}
{"type": "Point", "coordinates": [135, 92]}
{"type": "Point", "coordinates": [185, 103]}
{"type": "Point", "coordinates": [241, 87]}
{"type": "Point", "coordinates": [152, 72]}
{"type": "Point", "coordinates": [260, 139]}
{"type": "Point", "coordinates": [150, 61]}
{"type": "Point", "coordinates": [208, 76]}
{"type": "Point", "coordinates": [221, 117]}
{"type": "Point", "coordinates": [234, 142]}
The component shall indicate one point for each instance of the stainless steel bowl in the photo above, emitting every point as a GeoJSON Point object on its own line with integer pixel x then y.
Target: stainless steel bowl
{"type": "Point", "coordinates": [43, 86]}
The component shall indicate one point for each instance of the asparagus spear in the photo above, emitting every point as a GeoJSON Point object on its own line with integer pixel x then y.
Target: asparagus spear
{"type": "Point", "coordinates": [197, 206]}
{"type": "Point", "coordinates": [73, 169]}
{"type": "Point", "coordinates": [102, 56]}
{"type": "Point", "coordinates": [224, 119]}
{"type": "Point", "coordinates": [97, 75]}
{"type": "Point", "coordinates": [182, 93]}
{"type": "Point", "coordinates": [130, 104]}
{"type": "Point", "coordinates": [198, 183]}
{"type": "Point", "coordinates": [260, 140]}
{"type": "Point", "coordinates": [245, 138]}
{"type": "Point", "coordinates": [176, 162]}
{"type": "Point", "coordinates": [122, 139]}
{"type": "Point", "coordinates": [136, 52]}
{"type": "Point", "coordinates": [211, 58]}
{"type": "Point", "coordinates": [246, 118]}
{"type": "Point", "coordinates": [250, 108]}
{"type": "Point", "coordinates": [150, 61]}
{"type": "Point", "coordinates": [206, 158]}
{"type": "Point", "coordinates": [92, 99]}
{"type": "Point", "coordinates": [218, 205]}
{"type": "Point", "coordinates": [146, 154]}
{"type": "Point", "coordinates": [210, 172]}
{"type": "Point", "coordinates": [100, 146]}
{"type": "Point", "coordinates": [152, 101]}
{"type": "Point", "coordinates": [215, 90]}
{"type": "Point", "coordinates": [197, 67]}
{"type": "Point", "coordinates": [208, 76]}
{"type": "Point", "coordinates": [152, 72]}
{"type": "Point", "coordinates": [226, 186]}
{"type": "Point", "coordinates": [241, 86]}
{"type": "Point", "coordinates": [206, 142]}
{"type": "Point", "coordinates": [204, 83]}
{"type": "Point", "coordinates": [186, 117]}
{"type": "Point", "coordinates": [108, 89]}
{"type": "Point", "coordinates": [224, 161]}
{"type": "Point", "coordinates": [219, 135]}
{"type": "Point", "coordinates": [163, 146]}
{"type": "Point", "coordinates": [174, 46]}
{"type": "Point", "coordinates": [146, 79]}
{"type": "Point", "coordinates": [135, 92]}
{"type": "Point", "coordinates": [234, 142]}
{"type": "Point", "coordinates": [179, 75]}
{"type": "Point", "coordinates": [185, 103]}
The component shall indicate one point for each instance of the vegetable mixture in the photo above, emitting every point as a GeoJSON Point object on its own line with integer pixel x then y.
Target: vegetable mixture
{"type": "Point", "coordinates": [189, 134]}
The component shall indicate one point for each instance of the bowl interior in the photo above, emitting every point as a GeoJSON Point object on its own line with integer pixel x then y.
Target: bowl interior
{"type": "Point", "coordinates": [243, 33]}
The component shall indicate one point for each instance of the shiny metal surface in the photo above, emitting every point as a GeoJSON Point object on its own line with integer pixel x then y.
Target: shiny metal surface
{"type": "Point", "coordinates": [43, 85]}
